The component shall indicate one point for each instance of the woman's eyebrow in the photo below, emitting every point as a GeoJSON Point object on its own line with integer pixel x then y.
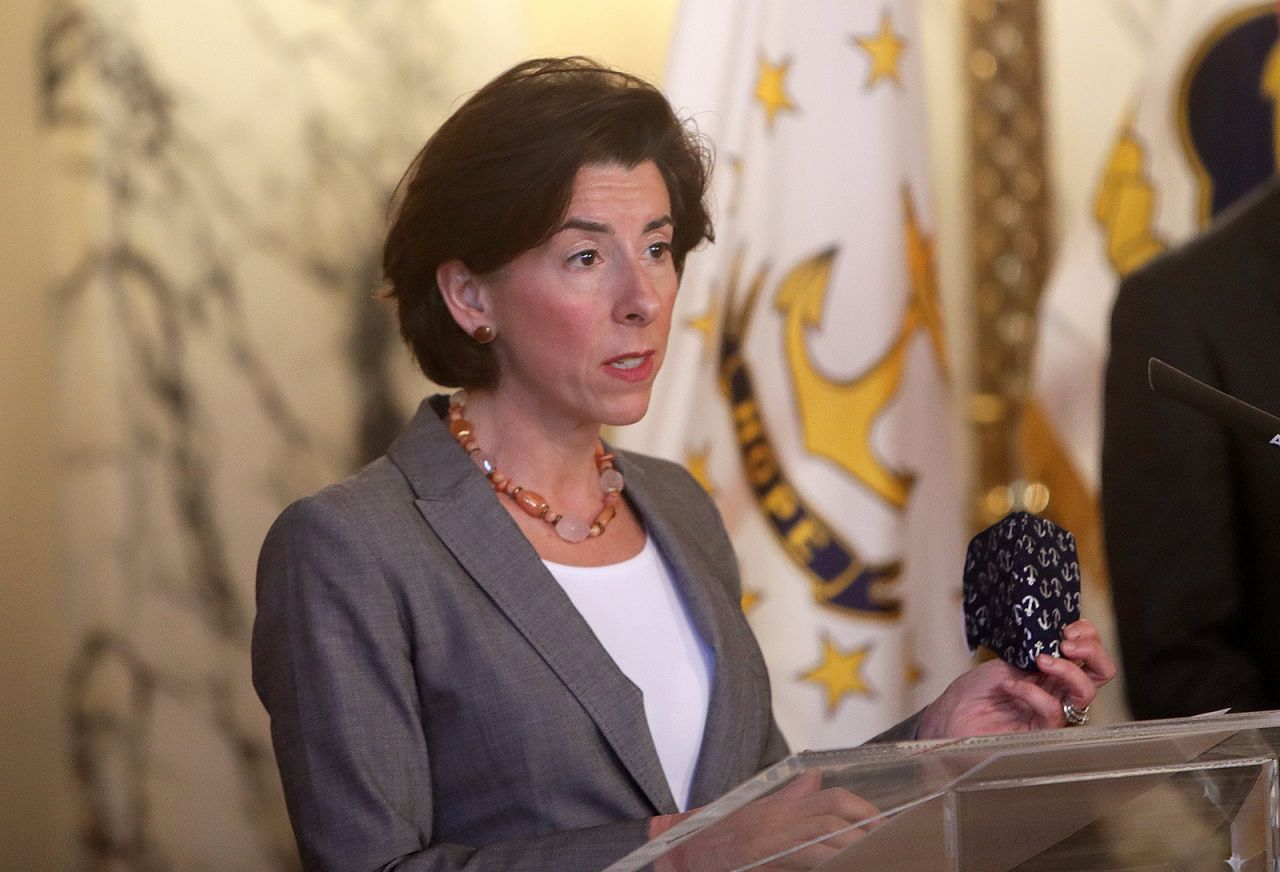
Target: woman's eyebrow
{"type": "Point", "coordinates": [585, 224]}
{"type": "Point", "coordinates": [600, 227]}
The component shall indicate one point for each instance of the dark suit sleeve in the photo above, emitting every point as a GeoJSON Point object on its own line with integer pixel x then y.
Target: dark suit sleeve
{"type": "Point", "coordinates": [1169, 516]}
{"type": "Point", "coordinates": [903, 731]}
{"type": "Point", "coordinates": [332, 664]}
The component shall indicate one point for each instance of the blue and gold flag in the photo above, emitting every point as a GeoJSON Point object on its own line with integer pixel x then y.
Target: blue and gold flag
{"type": "Point", "coordinates": [806, 383]}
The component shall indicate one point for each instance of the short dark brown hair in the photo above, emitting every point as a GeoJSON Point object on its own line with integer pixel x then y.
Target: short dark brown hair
{"type": "Point", "coordinates": [496, 178]}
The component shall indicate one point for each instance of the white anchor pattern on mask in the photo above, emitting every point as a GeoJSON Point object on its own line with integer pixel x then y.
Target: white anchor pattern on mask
{"type": "Point", "coordinates": [1021, 587]}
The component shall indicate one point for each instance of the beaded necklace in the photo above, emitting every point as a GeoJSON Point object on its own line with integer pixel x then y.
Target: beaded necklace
{"type": "Point", "coordinates": [569, 528]}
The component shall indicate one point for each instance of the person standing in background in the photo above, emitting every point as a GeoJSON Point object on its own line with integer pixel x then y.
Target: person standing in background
{"type": "Point", "coordinates": [1191, 510]}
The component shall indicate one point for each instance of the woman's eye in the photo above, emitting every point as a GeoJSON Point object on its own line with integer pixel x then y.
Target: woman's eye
{"type": "Point", "coordinates": [585, 258]}
{"type": "Point", "coordinates": [658, 249]}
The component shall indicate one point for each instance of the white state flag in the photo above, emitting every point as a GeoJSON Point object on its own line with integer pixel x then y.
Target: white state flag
{"type": "Point", "coordinates": [805, 384]}
{"type": "Point", "coordinates": [1201, 133]}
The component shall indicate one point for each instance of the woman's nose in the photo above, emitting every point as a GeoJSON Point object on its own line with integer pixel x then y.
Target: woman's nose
{"type": "Point", "coordinates": [639, 301]}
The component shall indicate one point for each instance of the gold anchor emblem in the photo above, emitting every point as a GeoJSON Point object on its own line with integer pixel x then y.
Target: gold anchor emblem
{"type": "Point", "coordinates": [1270, 87]}
{"type": "Point", "coordinates": [838, 415]}
{"type": "Point", "coordinates": [1125, 206]}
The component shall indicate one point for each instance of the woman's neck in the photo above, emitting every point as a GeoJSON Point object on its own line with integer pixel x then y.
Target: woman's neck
{"type": "Point", "coordinates": [540, 451]}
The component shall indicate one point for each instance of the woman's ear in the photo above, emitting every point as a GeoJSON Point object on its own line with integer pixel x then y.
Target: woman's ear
{"type": "Point", "coordinates": [466, 295]}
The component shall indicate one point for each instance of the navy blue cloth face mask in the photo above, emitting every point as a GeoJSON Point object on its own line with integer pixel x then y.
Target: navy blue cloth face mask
{"type": "Point", "coordinates": [1021, 587]}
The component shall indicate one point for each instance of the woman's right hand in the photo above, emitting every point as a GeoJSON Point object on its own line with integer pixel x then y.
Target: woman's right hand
{"type": "Point", "coordinates": [797, 813]}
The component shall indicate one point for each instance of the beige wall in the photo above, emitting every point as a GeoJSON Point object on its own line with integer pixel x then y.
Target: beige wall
{"type": "Point", "coordinates": [630, 34]}
{"type": "Point", "coordinates": [36, 820]}
{"type": "Point", "coordinates": [37, 810]}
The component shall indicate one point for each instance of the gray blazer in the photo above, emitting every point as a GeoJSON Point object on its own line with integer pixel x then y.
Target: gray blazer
{"type": "Point", "coordinates": [438, 703]}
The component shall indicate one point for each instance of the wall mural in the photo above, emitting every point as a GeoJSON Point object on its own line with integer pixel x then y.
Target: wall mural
{"type": "Point", "coordinates": [223, 173]}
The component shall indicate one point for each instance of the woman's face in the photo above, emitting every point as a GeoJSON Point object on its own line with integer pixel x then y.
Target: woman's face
{"type": "Point", "coordinates": [582, 320]}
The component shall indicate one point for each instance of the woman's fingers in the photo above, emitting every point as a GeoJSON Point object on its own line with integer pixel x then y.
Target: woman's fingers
{"type": "Point", "coordinates": [1046, 709]}
{"type": "Point", "coordinates": [804, 796]}
{"type": "Point", "coordinates": [807, 782]}
{"type": "Point", "coordinates": [829, 834]}
{"type": "Point", "coordinates": [798, 825]}
{"type": "Point", "coordinates": [1082, 629]}
{"type": "Point", "coordinates": [1083, 636]}
{"type": "Point", "coordinates": [1066, 681]}
{"type": "Point", "coordinates": [845, 805]}
{"type": "Point", "coordinates": [1082, 643]}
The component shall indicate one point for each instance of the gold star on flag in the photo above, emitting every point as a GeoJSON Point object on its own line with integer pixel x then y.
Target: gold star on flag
{"type": "Point", "coordinates": [883, 49]}
{"type": "Point", "coordinates": [750, 599]}
{"type": "Point", "coordinates": [697, 463]}
{"type": "Point", "coordinates": [840, 673]}
{"type": "Point", "coordinates": [771, 89]}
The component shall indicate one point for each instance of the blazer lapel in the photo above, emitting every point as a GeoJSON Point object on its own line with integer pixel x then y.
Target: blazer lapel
{"type": "Point", "coordinates": [733, 711]}
{"type": "Point", "coordinates": [457, 502]}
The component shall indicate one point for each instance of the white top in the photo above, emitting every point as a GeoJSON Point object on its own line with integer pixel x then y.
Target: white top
{"type": "Point", "coordinates": [637, 614]}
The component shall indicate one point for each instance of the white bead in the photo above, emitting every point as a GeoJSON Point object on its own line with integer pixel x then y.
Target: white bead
{"type": "Point", "coordinates": [572, 529]}
{"type": "Point", "coordinates": [610, 480]}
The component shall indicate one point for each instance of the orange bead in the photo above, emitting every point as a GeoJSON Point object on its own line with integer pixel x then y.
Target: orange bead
{"type": "Point", "coordinates": [570, 529]}
{"type": "Point", "coordinates": [532, 503]}
{"type": "Point", "coordinates": [606, 515]}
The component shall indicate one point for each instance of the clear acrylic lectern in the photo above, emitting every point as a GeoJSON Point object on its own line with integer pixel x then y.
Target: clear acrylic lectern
{"type": "Point", "coordinates": [1190, 794]}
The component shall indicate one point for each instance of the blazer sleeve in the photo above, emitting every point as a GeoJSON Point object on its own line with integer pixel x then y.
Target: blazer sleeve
{"type": "Point", "coordinates": [903, 731]}
{"type": "Point", "coordinates": [332, 665]}
{"type": "Point", "coordinates": [1168, 509]}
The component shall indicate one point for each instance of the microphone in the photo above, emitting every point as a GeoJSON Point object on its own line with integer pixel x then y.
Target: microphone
{"type": "Point", "coordinates": [1223, 408]}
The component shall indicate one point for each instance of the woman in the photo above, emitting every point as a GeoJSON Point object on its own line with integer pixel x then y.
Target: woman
{"type": "Point", "coordinates": [503, 646]}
